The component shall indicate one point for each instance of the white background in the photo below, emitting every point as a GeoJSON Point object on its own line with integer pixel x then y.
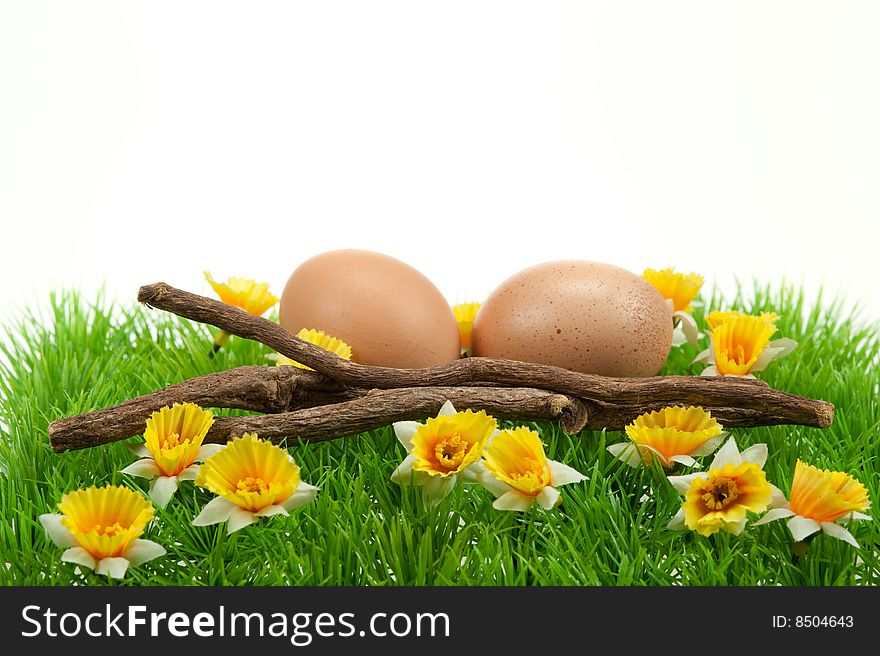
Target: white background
{"type": "Point", "coordinates": [146, 141]}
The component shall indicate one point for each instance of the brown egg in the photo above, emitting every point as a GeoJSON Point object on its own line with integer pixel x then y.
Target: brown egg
{"type": "Point", "coordinates": [390, 314]}
{"type": "Point", "coordinates": [584, 316]}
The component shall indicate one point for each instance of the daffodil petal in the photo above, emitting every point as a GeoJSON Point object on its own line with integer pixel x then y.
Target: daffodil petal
{"type": "Point", "coordinates": [678, 336]}
{"type": "Point", "coordinates": [856, 515]}
{"type": "Point", "coordinates": [471, 473]}
{"type": "Point", "coordinates": [677, 522]}
{"type": "Point", "coordinates": [188, 474]}
{"type": "Point", "coordinates": [438, 488]}
{"type": "Point", "coordinates": [215, 511]}
{"type": "Point", "coordinates": [404, 431]}
{"type": "Point", "coordinates": [404, 474]}
{"type": "Point", "coordinates": [687, 461]}
{"type": "Point", "coordinates": [146, 468]}
{"type": "Point", "coordinates": [447, 410]}
{"type": "Point", "coordinates": [303, 494]}
{"type": "Point", "coordinates": [839, 532]}
{"type": "Point", "coordinates": [140, 449]}
{"type": "Point", "coordinates": [727, 455]}
{"type": "Point", "coordinates": [688, 327]}
{"type": "Point", "coordinates": [777, 498]}
{"type": "Point", "coordinates": [773, 514]}
{"type": "Point", "coordinates": [755, 454]}
{"type": "Point", "coordinates": [626, 452]}
{"type": "Point", "coordinates": [79, 556]}
{"type": "Point", "coordinates": [238, 519]}
{"type": "Point", "coordinates": [57, 532]}
{"type": "Point", "coordinates": [683, 483]}
{"type": "Point", "coordinates": [513, 500]}
{"type": "Point", "coordinates": [784, 345]}
{"type": "Point", "coordinates": [548, 497]}
{"type": "Point", "coordinates": [562, 474]}
{"type": "Point", "coordinates": [709, 446]}
{"type": "Point", "coordinates": [142, 551]}
{"type": "Point", "coordinates": [162, 489]}
{"type": "Point", "coordinates": [737, 527]}
{"type": "Point", "coordinates": [495, 486]}
{"type": "Point", "coordinates": [802, 527]}
{"type": "Point", "coordinates": [207, 450]}
{"type": "Point", "coordinates": [767, 356]}
{"type": "Point", "coordinates": [115, 568]}
{"type": "Point", "coordinates": [709, 371]}
{"type": "Point", "coordinates": [274, 509]}
{"type": "Point", "coordinates": [703, 357]}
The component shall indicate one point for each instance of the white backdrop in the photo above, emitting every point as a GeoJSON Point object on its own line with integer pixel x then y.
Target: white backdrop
{"type": "Point", "coordinates": [145, 141]}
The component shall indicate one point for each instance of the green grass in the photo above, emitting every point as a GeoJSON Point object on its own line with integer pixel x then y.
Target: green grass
{"type": "Point", "coordinates": [78, 355]}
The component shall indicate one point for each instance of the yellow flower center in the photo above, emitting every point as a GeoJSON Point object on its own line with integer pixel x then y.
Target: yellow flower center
{"type": "Point", "coordinates": [450, 451]}
{"type": "Point", "coordinates": [720, 494]}
{"type": "Point", "coordinates": [251, 473]}
{"type": "Point", "coordinates": [680, 288]}
{"type": "Point", "coordinates": [516, 457]}
{"type": "Point", "coordinates": [444, 446]}
{"type": "Point", "coordinates": [721, 498]}
{"type": "Point", "coordinates": [251, 484]}
{"type": "Point", "coordinates": [174, 435]}
{"type": "Point", "coordinates": [105, 521]}
{"type": "Point", "coordinates": [251, 296]}
{"type": "Point", "coordinates": [672, 431]}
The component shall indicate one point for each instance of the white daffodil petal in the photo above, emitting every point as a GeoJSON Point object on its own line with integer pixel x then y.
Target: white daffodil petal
{"type": "Point", "coordinates": [777, 498]}
{"type": "Point", "coordinates": [513, 501]}
{"type": "Point", "coordinates": [784, 345]}
{"type": "Point", "coordinates": [215, 511]}
{"type": "Point", "coordinates": [447, 410]}
{"type": "Point", "coordinates": [140, 450]}
{"type": "Point", "coordinates": [146, 468]}
{"type": "Point", "coordinates": [115, 568]}
{"type": "Point", "coordinates": [438, 488]}
{"type": "Point", "coordinates": [857, 515]}
{"type": "Point", "coordinates": [626, 452]}
{"type": "Point", "coordinates": [141, 551]}
{"type": "Point", "coordinates": [404, 431]}
{"type": "Point", "coordinates": [79, 556]}
{"type": "Point", "coordinates": [688, 327]}
{"type": "Point", "coordinates": [677, 522]}
{"type": "Point", "coordinates": [709, 371]}
{"type": "Point", "coordinates": [727, 455]}
{"type": "Point", "coordinates": [404, 474]}
{"type": "Point", "coordinates": [755, 454]}
{"type": "Point", "coordinates": [162, 489]}
{"type": "Point", "coordinates": [188, 474]}
{"type": "Point", "coordinates": [703, 357]}
{"type": "Point", "coordinates": [274, 509]}
{"type": "Point", "coordinates": [837, 531]}
{"type": "Point", "coordinates": [802, 527]}
{"type": "Point", "coordinates": [207, 450]}
{"type": "Point", "coordinates": [709, 446]}
{"type": "Point", "coordinates": [736, 528]}
{"type": "Point", "coordinates": [562, 474]}
{"type": "Point", "coordinates": [472, 473]}
{"type": "Point", "coordinates": [493, 485]}
{"type": "Point", "coordinates": [57, 532]}
{"type": "Point", "coordinates": [303, 494]}
{"type": "Point", "coordinates": [683, 483]}
{"type": "Point", "coordinates": [238, 519]}
{"type": "Point", "coordinates": [548, 497]}
{"type": "Point", "coordinates": [766, 357]}
{"type": "Point", "coordinates": [772, 515]}
{"type": "Point", "coordinates": [687, 461]}
{"type": "Point", "coordinates": [678, 336]}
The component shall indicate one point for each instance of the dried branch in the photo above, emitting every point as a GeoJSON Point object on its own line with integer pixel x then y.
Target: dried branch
{"type": "Point", "coordinates": [733, 393]}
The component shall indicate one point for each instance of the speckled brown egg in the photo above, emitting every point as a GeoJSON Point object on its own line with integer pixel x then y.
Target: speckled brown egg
{"type": "Point", "coordinates": [390, 314]}
{"type": "Point", "coordinates": [584, 316]}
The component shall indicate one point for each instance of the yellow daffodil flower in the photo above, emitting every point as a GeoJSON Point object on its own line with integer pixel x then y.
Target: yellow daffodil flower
{"type": "Point", "coordinates": [519, 474]}
{"type": "Point", "coordinates": [673, 435]}
{"type": "Point", "coordinates": [442, 451]}
{"type": "Point", "coordinates": [465, 313]}
{"type": "Point", "coordinates": [172, 447]}
{"type": "Point", "coordinates": [101, 528]}
{"type": "Point", "coordinates": [251, 296]}
{"type": "Point", "coordinates": [253, 478]}
{"type": "Point", "coordinates": [679, 290]}
{"type": "Point", "coordinates": [740, 344]}
{"type": "Point", "coordinates": [318, 338]}
{"type": "Point", "coordinates": [720, 498]}
{"type": "Point", "coordinates": [820, 499]}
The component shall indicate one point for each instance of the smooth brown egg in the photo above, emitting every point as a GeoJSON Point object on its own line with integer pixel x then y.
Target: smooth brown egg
{"type": "Point", "coordinates": [390, 314]}
{"type": "Point", "coordinates": [583, 316]}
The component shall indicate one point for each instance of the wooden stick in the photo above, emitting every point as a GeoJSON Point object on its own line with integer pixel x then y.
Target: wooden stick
{"type": "Point", "coordinates": [373, 409]}
{"type": "Point", "coordinates": [721, 392]}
